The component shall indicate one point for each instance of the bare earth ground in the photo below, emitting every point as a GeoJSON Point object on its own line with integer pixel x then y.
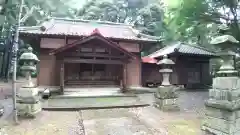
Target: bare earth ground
{"type": "Point", "coordinates": [132, 121]}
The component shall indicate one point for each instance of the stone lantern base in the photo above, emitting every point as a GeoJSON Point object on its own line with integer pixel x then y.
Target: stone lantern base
{"type": "Point", "coordinates": [221, 122]}
{"type": "Point", "coordinates": [166, 98]}
{"type": "Point", "coordinates": [28, 101]}
{"type": "Point", "coordinates": [222, 114]}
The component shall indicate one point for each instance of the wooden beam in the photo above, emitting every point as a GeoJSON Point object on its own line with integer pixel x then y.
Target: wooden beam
{"type": "Point", "coordinates": [73, 60]}
{"type": "Point", "coordinates": [124, 77]}
{"type": "Point", "coordinates": [72, 54]}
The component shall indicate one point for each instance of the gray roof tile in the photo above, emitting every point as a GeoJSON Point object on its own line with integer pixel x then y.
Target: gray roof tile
{"type": "Point", "coordinates": [57, 26]}
{"type": "Point", "coordinates": [182, 48]}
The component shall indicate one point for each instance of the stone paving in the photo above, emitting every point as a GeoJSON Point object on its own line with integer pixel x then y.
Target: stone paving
{"type": "Point", "coordinates": [132, 121]}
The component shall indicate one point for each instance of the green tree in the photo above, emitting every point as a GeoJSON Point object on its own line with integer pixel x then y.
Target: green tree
{"type": "Point", "coordinates": [146, 16]}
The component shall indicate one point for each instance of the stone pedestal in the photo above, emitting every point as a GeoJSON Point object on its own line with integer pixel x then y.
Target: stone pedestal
{"type": "Point", "coordinates": [166, 98]}
{"type": "Point", "coordinates": [28, 102]}
{"type": "Point", "coordinates": [222, 115]}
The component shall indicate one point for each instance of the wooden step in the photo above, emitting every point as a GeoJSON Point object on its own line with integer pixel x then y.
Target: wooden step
{"type": "Point", "coordinates": [76, 82]}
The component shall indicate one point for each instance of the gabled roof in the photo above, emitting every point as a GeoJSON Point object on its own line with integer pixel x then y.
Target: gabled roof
{"type": "Point", "coordinates": [70, 27]}
{"type": "Point", "coordinates": [95, 35]}
{"type": "Point", "coordinates": [182, 48]}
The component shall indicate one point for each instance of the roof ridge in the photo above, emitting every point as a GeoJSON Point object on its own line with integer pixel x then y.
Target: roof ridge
{"type": "Point", "coordinates": [47, 24]}
{"type": "Point", "coordinates": [159, 50]}
{"type": "Point", "coordinates": [22, 28]}
{"type": "Point", "coordinates": [178, 46]}
{"type": "Point", "coordinates": [137, 32]}
{"type": "Point", "coordinates": [200, 47]}
{"type": "Point", "coordinates": [89, 21]}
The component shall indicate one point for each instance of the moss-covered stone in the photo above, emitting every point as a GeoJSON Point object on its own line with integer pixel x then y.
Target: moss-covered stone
{"type": "Point", "coordinates": [166, 92]}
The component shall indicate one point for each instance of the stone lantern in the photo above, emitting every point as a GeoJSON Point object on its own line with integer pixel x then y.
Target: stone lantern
{"type": "Point", "coordinates": [223, 105]}
{"type": "Point", "coordinates": [166, 70]}
{"type": "Point", "coordinates": [166, 96]}
{"type": "Point", "coordinates": [28, 101]}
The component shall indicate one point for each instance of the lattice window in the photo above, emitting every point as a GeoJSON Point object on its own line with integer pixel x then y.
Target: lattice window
{"type": "Point", "coordinates": [100, 50]}
{"type": "Point", "coordinates": [86, 50]}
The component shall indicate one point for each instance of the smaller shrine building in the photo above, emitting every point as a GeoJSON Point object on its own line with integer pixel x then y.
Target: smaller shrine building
{"type": "Point", "coordinates": [191, 67]}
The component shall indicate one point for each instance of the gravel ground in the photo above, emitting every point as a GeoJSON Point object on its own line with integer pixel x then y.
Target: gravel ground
{"type": "Point", "coordinates": [189, 101]}
{"type": "Point", "coordinates": [133, 121]}
{"type": "Point", "coordinates": [47, 123]}
{"type": "Point", "coordinates": [7, 103]}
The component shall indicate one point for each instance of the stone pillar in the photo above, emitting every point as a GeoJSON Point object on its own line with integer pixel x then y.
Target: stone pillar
{"type": "Point", "coordinates": [223, 106]}
{"type": "Point", "coordinates": [28, 100]}
{"type": "Point", "coordinates": [166, 96]}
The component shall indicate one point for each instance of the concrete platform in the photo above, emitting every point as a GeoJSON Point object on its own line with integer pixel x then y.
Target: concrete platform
{"type": "Point", "coordinates": [92, 92]}
{"type": "Point", "coordinates": [73, 104]}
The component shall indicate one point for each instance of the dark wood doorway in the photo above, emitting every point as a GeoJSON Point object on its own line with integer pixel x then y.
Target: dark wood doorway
{"type": "Point", "coordinates": [86, 74]}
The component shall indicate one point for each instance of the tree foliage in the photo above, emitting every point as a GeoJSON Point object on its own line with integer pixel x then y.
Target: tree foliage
{"type": "Point", "coordinates": [196, 21]}
{"type": "Point", "coordinates": [144, 15]}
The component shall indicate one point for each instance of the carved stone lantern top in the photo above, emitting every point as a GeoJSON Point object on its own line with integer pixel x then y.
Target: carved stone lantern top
{"type": "Point", "coordinates": [225, 42]}
{"type": "Point", "coordinates": [29, 65]}
{"type": "Point", "coordinates": [166, 70]}
{"type": "Point", "coordinates": [223, 27]}
{"type": "Point", "coordinates": [29, 56]}
{"type": "Point", "coordinates": [165, 61]}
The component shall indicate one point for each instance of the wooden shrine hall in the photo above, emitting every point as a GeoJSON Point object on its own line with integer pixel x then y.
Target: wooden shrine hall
{"type": "Point", "coordinates": [93, 60]}
{"type": "Point", "coordinates": [79, 53]}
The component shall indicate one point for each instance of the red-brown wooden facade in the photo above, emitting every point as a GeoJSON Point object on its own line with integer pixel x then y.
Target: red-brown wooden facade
{"type": "Point", "coordinates": [93, 60]}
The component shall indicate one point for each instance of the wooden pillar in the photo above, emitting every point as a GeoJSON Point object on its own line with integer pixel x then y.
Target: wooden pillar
{"type": "Point", "coordinates": [124, 83]}
{"type": "Point", "coordinates": [62, 78]}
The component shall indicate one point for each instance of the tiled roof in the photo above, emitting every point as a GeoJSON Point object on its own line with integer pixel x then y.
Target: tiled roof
{"type": "Point", "coordinates": [69, 27]}
{"type": "Point", "coordinates": [148, 60]}
{"type": "Point", "coordinates": [182, 48]}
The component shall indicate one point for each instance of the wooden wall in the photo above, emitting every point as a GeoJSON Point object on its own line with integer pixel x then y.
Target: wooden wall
{"type": "Point", "coordinates": [185, 70]}
{"type": "Point", "coordinates": [50, 67]}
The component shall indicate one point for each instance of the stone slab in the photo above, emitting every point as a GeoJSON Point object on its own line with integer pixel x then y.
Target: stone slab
{"type": "Point", "coordinates": [167, 104]}
{"type": "Point", "coordinates": [223, 104]}
{"type": "Point", "coordinates": [221, 125]}
{"type": "Point", "coordinates": [90, 103]}
{"type": "Point", "coordinates": [167, 107]}
{"type": "Point", "coordinates": [115, 126]}
{"type": "Point", "coordinates": [224, 94]}
{"type": "Point", "coordinates": [211, 131]}
{"type": "Point", "coordinates": [28, 100]}
{"type": "Point", "coordinates": [27, 92]}
{"type": "Point", "coordinates": [228, 83]}
{"type": "Point", "coordinates": [222, 114]}
{"type": "Point", "coordinates": [28, 109]}
{"type": "Point", "coordinates": [166, 92]}
{"type": "Point", "coordinates": [166, 101]}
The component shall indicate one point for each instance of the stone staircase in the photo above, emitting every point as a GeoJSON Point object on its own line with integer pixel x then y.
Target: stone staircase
{"type": "Point", "coordinates": [92, 92]}
{"type": "Point", "coordinates": [91, 83]}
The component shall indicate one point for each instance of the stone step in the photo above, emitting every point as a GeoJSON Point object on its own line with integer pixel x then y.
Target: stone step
{"type": "Point", "coordinates": [85, 83]}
